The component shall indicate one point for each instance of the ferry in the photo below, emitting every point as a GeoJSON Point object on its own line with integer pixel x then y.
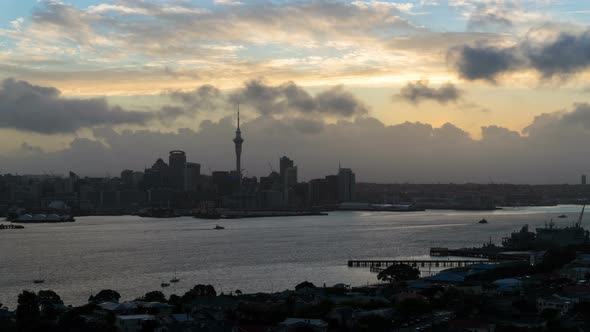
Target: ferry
{"type": "Point", "coordinates": [43, 218]}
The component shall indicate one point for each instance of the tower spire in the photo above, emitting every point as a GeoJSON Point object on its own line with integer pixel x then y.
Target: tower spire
{"type": "Point", "coordinates": [238, 140]}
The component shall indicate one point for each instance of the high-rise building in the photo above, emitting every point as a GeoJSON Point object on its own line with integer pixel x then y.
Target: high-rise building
{"type": "Point", "coordinates": [127, 178]}
{"type": "Point", "coordinates": [238, 140]}
{"type": "Point", "coordinates": [285, 163]}
{"type": "Point", "coordinates": [346, 185]}
{"type": "Point", "coordinates": [157, 175]}
{"type": "Point", "coordinates": [289, 181]}
{"type": "Point", "coordinates": [192, 176]}
{"type": "Point", "coordinates": [177, 164]}
{"type": "Point", "coordinates": [584, 179]}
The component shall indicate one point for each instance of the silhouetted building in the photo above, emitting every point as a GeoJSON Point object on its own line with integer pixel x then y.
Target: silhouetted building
{"type": "Point", "coordinates": [584, 179]}
{"type": "Point", "coordinates": [222, 181]}
{"type": "Point", "coordinates": [289, 181]}
{"type": "Point", "coordinates": [157, 175]}
{"type": "Point", "coordinates": [346, 185]}
{"type": "Point", "coordinates": [177, 165]}
{"type": "Point", "coordinates": [238, 140]}
{"type": "Point", "coordinates": [271, 182]}
{"type": "Point", "coordinates": [285, 163]}
{"type": "Point", "coordinates": [332, 192]}
{"type": "Point", "coordinates": [127, 178]}
{"type": "Point", "coordinates": [192, 177]}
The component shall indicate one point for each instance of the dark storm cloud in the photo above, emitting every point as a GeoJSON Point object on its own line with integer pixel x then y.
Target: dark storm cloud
{"type": "Point", "coordinates": [32, 108]}
{"type": "Point", "coordinates": [483, 62]}
{"type": "Point", "coordinates": [268, 99]}
{"type": "Point", "coordinates": [567, 54]}
{"type": "Point", "coordinates": [418, 91]}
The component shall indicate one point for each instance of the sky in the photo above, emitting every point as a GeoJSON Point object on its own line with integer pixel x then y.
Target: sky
{"type": "Point", "coordinates": [401, 91]}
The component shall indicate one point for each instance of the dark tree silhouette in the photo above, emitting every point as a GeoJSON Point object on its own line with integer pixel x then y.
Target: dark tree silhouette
{"type": "Point", "coordinates": [105, 295]}
{"type": "Point", "coordinates": [199, 291]}
{"type": "Point", "coordinates": [399, 272]}
{"type": "Point", "coordinates": [27, 311]}
{"type": "Point", "coordinates": [50, 304]}
{"type": "Point", "coordinates": [154, 296]}
{"type": "Point", "coordinates": [305, 284]}
{"type": "Point", "coordinates": [556, 258]}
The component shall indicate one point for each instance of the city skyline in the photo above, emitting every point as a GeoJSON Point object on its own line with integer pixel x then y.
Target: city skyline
{"type": "Point", "coordinates": [413, 91]}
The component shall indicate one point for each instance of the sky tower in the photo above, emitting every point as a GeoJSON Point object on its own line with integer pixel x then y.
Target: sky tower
{"type": "Point", "coordinates": [238, 140]}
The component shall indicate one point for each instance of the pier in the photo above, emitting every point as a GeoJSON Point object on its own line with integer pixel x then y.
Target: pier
{"type": "Point", "coordinates": [495, 255]}
{"type": "Point", "coordinates": [376, 264]}
{"type": "Point", "coordinates": [9, 226]}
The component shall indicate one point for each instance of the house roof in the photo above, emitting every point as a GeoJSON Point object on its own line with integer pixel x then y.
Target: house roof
{"type": "Point", "coordinates": [446, 277]}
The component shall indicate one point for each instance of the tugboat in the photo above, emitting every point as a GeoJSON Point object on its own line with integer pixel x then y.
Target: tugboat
{"type": "Point", "coordinates": [483, 221]}
{"type": "Point", "coordinates": [219, 227]}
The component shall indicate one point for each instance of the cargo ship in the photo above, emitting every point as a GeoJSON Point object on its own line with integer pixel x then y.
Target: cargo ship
{"type": "Point", "coordinates": [548, 237]}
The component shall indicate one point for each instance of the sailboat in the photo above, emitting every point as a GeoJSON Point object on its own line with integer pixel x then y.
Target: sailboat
{"type": "Point", "coordinates": [175, 279]}
{"type": "Point", "coordinates": [39, 280]}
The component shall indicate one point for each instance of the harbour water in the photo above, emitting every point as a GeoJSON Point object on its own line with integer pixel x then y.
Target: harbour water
{"type": "Point", "coordinates": [134, 255]}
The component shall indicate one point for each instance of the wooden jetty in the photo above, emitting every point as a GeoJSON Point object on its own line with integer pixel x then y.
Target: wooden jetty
{"type": "Point", "coordinates": [380, 263]}
{"type": "Point", "coordinates": [10, 226]}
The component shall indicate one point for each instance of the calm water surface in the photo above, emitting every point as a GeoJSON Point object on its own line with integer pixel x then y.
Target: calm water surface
{"type": "Point", "coordinates": [134, 255]}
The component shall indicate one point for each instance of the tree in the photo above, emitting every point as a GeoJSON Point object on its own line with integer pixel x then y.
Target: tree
{"type": "Point", "coordinates": [556, 258]}
{"type": "Point", "coordinates": [27, 311]}
{"type": "Point", "coordinates": [198, 291]}
{"type": "Point", "coordinates": [105, 295]}
{"type": "Point", "coordinates": [399, 272]}
{"type": "Point", "coordinates": [238, 292]}
{"type": "Point", "coordinates": [304, 285]}
{"type": "Point", "coordinates": [50, 304]}
{"type": "Point", "coordinates": [154, 296]}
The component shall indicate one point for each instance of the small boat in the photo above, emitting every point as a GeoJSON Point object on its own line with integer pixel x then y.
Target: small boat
{"type": "Point", "coordinates": [175, 279]}
{"type": "Point", "coordinates": [562, 216]}
{"type": "Point", "coordinates": [164, 284]}
{"type": "Point", "coordinates": [483, 221]}
{"type": "Point", "coordinates": [219, 227]}
{"type": "Point", "coordinates": [39, 280]}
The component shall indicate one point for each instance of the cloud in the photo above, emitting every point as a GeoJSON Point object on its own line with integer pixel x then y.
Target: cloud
{"type": "Point", "coordinates": [419, 91]}
{"type": "Point", "coordinates": [551, 149]}
{"type": "Point", "coordinates": [28, 107]}
{"type": "Point", "coordinates": [228, 2]}
{"type": "Point", "coordinates": [562, 55]}
{"type": "Point", "coordinates": [489, 17]}
{"type": "Point", "coordinates": [267, 99]}
{"type": "Point", "coordinates": [206, 97]}
{"type": "Point", "coordinates": [40, 109]}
